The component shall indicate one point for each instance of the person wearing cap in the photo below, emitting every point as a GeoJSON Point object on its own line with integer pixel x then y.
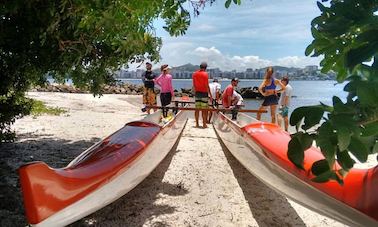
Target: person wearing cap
{"type": "Point", "coordinates": [202, 93]}
{"type": "Point", "coordinates": [268, 90]}
{"type": "Point", "coordinates": [149, 96]}
{"type": "Point", "coordinates": [284, 103]}
{"type": "Point", "coordinates": [166, 89]}
{"type": "Point", "coordinates": [215, 88]}
{"type": "Point", "coordinates": [228, 92]}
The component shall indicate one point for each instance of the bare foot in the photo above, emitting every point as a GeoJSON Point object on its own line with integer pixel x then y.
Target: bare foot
{"type": "Point", "coordinates": [204, 126]}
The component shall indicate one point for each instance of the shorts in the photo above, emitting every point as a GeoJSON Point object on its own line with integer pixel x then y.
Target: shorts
{"type": "Point", "coordinates": [270, 100]}
{"type": "Point", "coordinates": [201, 100]}
{"type": "Point", "coordinates": [165, 98]}
{"type": "Point", "coordinates": [284, 111]}
{"type": "Point", "coordinates": [149, 96]}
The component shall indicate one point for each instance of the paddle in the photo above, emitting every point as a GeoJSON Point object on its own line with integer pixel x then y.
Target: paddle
{"type": "Point", "coordinates": [205, 109]}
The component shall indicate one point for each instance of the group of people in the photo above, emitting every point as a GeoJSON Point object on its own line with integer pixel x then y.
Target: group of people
{"type": "Point", "coordinates": [272, 99]}
{"type": "Point", "coordinates": [206, 93]}
{"type": "Point", "coordinates": [164, 81]}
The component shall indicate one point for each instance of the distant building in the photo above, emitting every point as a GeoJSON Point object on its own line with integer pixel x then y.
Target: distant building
{"type": "Point", "coordinates": [310, 68]}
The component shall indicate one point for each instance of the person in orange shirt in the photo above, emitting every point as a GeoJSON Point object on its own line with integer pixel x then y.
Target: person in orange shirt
{"type": "Point", "coordinates": [202, 93]}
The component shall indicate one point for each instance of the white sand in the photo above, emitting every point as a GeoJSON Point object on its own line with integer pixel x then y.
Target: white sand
{"type": "Point", "coordinates": [198, 184]}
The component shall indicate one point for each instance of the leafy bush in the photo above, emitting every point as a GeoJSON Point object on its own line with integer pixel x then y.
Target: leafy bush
{"type": "Point", "coordinates": [83, 40]}
{"type": "Point", "coordinates": [346, 34]}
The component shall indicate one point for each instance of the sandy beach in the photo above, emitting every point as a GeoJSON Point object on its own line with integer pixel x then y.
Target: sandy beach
{"type": "Point", "coordinates": [198, 184]}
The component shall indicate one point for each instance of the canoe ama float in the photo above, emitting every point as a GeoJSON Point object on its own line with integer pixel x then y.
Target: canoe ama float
{"type": "Point", "coordinates": [262, 149]}
{"type": "Point", "coordinates": [100, 175]}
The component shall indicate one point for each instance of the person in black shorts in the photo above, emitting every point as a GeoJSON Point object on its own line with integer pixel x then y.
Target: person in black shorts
{"type": "Point", "coordinates": [149, 96]}
{"type": "Point", "coordinates": [268, 90]}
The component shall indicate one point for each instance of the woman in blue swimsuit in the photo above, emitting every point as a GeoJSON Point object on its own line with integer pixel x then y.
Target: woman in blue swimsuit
{"type": "Point", "coordinates": [268, 90]}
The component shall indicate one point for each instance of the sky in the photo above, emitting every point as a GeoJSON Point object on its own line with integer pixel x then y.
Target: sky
{"type": "Point", "coordinates": [256, 34]}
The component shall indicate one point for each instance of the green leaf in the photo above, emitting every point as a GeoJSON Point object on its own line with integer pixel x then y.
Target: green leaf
{"type": "Point", "coordinates": [235, 1]}
{"type": "Point", "coordinates": [320, 167]}
{"type": "Point", "coordinates": [340, 107]}
{"type": "Point", "coordinates": [358, 149]}
{"type": "Point", "coordinates": [370, 129]}
{"type": "Point", "coordinates": [311, 115]}
{"type": "Point", "coordinates": [334, 176]}
{"type": "Point", "coordinates": [361, 54]}
{"type": "Point", "coordinates": [309, 49]}
{"type": "Point", "coordinates": [322, 178]}
{"type": "Point", "coordinates": [375, 148]}
{"type": "Point", "coordinates": [306, 140]}
{"type": "Point", "coordinates": [366, 94]}
{"type": "Point", "coordinates": [325, 142]}
{"type": "Point", "coordinates": [322, 7]}
{"type": "Point", "coordinates": [227, 3]}
{"type": "Point", "coordinates": [345, 160]}
{"type": "Point", "coordinates": [343, 137]}
{"type": "Point", "coordinates": [295, 152]}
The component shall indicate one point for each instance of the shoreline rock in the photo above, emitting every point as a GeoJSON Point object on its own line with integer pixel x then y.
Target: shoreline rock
{"type": "Point", "coordinates": [133, 89]}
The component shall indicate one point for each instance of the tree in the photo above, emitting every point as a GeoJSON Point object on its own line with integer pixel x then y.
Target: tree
{"type": "Point", "coordinates": [346, 34]}
{"type": "Point", "coordinates": [85, 40]}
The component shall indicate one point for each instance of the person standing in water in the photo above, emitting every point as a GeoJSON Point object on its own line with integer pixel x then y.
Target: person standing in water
{"type": "Point", "coordinates": [166, 89]}
{"type": "Point", "coordinates": [268, 90]}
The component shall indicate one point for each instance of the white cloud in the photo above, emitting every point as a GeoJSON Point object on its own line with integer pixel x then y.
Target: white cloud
{"type": "Point", "coordinates": [177, 54]}
{"type": "Point", "coordinates": [295, 61]}
{"type": "Point", "coordinates": [216, 59]}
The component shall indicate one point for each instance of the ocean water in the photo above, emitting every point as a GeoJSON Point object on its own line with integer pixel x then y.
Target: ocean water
{"type": "Point", "coordinates": [305, 92]}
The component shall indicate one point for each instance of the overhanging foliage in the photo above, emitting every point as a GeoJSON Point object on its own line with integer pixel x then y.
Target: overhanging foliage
{"type": "Point", "coordinates": [346, 34]}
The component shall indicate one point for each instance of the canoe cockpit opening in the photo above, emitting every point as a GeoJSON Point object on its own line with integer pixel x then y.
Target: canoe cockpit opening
{"type": "Point", "coordinates": [242, 119]}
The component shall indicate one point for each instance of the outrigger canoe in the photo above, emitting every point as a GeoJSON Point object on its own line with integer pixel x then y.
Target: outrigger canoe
{"type": "Point", "coordinates": [262, 149]}
{"type": "Point", "coordinates": [100, 175]}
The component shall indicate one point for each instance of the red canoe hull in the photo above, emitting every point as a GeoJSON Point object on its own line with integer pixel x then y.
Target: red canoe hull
{"type": "Point", "coordinates": [125, 156]}
{"type": "Point", "coordinates": [262, 149]}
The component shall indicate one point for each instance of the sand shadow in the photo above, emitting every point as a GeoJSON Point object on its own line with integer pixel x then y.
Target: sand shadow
{"type": "Point", "coordinates": [268, 207]}
{"type": "Point", "coordinates": [55, 152]}
{"type": "Point", "coordinates": [140, 204]}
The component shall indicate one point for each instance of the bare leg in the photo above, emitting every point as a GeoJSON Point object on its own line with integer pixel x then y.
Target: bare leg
{"type": "Point", "coordinates": [258, 117]}
{"type": "Point", "coordinates": [210, 115]}
{"type": "Point", "coordinates": [279, 120]}
{"type": "Point", "coordinates": [273, 109]}
{"type": "Point", "coordinates": [204, 118]}
{"type": "Point", "coordinates": [196, 116]}
{"type": "Point", "coordinates": [286, 121]}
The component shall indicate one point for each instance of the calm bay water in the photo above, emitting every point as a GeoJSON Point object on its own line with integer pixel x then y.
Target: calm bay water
{"type": "Point", "coordinates": [304, 92]}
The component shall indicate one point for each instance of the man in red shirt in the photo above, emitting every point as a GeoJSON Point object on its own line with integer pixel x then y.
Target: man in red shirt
{"type": "Point", "coordinates": [228, 92]}
{"type": "Point", "coordinates": [202, 92]}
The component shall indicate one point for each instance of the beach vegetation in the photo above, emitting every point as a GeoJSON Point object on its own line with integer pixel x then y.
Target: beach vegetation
{"type": "Point", "coordinates": [346, 36]}
{"type": "Point", "coordinates": [39, 108]}
{"type": "Point", "coordinates": [86, 41]}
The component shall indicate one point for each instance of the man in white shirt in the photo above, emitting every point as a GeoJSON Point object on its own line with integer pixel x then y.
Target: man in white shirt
{"type": "Point", "coordinates": [215, 89]}
{"type": "Point", "coordinates": [284, 103]}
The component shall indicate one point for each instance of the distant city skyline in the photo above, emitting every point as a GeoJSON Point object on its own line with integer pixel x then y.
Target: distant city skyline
{"type": "Point", "coordinates": [310, 72]}
{"type": "Point", "coordinates": [256, 34]}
